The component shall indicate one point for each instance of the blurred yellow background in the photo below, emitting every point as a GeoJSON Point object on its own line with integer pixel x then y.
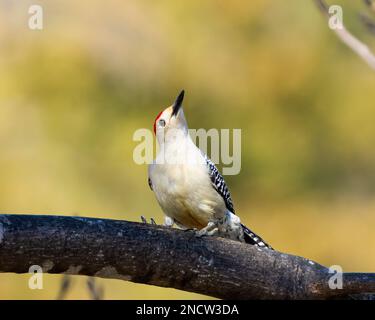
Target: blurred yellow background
{"type": "Point", "coordinates": [72, 95]}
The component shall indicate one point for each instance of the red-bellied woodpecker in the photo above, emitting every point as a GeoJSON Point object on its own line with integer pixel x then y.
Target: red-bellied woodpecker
{"type": "Point", "coordinates": [188, 186]}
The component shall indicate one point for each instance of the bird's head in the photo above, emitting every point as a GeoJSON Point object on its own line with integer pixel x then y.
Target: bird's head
{"type": "Point", "coordinates": [171, 119]}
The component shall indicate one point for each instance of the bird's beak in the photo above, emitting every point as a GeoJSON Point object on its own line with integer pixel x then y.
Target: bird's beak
{"type": "Point", "coordinates": [178, 103]}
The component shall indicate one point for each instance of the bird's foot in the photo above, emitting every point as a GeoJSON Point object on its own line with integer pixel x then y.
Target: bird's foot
{"type": "Point", "coordinates": [168, 222]}
{"type": "Point", "coordinates": [210, 230]}
{"type": "Point", "coordinates": [230, 227]}
{"type": "Point", "coordinates": [144, 220]}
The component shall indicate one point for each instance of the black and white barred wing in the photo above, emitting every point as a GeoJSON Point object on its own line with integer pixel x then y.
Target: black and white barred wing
{"type": "Point", "coordinates": [219, 184]}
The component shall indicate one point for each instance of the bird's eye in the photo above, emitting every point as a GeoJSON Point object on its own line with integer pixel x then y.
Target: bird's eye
{"type": "Point", "coordinates": [162, 122]}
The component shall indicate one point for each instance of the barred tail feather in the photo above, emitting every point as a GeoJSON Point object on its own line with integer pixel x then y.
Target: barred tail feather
{"type": "Point", "coordinates": [254, 239]}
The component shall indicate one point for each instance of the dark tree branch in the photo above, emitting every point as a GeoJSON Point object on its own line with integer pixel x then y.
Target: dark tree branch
{"type": "Point", "coordinates": [165, 257]}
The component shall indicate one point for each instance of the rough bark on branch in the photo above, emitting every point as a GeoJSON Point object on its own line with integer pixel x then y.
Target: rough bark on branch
{"type": "Point", "coordinates": [165, 257]}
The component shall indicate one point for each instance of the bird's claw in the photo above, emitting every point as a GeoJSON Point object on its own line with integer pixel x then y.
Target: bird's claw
{"type": "Point", "coordinates": [144, 220]}
{"type": "Point", "coordinates": [199, 233]}
{"type": "Point", "coordinates": [210, 230]}
{"type": "Point", "coordinates": [211, 233]}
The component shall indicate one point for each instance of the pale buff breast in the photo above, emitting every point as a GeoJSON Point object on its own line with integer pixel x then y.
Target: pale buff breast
{"type": "Point", "coordinates": [185, 193]}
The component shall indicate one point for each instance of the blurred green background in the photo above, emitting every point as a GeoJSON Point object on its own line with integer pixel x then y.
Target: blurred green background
{"type": "Point", "coordinates": [72, 95]}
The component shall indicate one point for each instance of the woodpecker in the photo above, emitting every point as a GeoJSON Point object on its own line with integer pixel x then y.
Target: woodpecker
{"type": "Point", "coordinates": [189, 188]}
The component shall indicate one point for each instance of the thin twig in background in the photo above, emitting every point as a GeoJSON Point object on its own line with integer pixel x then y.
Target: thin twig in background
{"type": "Point", "coordinates": [370, 4]}
{"type": "Point", "coordinates": [64, 287]}
{"type": "Point", "coordinates": [349, 39]}
{"type": "Point", "coordinates": [96, 292]}
{"type": "Point", "coordinates": [367, 22]}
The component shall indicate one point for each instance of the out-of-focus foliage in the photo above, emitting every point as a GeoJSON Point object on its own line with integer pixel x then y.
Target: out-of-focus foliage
{"type": "Point", "coordinates": [72, 95]}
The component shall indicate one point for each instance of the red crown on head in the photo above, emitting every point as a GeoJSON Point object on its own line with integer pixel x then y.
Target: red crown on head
{"type": "Point", "coordinates": [156, 119]}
